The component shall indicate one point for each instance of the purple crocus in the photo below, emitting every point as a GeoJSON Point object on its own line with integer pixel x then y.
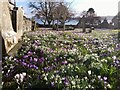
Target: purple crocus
{"type": "Point", "coordinates": [53, 65]}
{"type": "Point", "coordinates": [31, 59]}
{"type": "Point", "coordinates": [52, 84]}
{"type": "Point", "coordinates": [104, 54]}
{"type": "Point", "coordinates": [49, 68]}
{"type": "Point", "coordinates": [35, 67]}
{"type": "Point", "coordinates": [117, 49]}
{"type": "Point", "coordinates": [55, 59]}
{"type": "Point", "coordinates": [28, 65]}
{"type": "Point", "coordinates": [25, 56]}
{"type": "Point", "coordinates": [31, 66]}
{"type": "Point", "coordinates": [29, 53]}
{"type": "Point", "coordinates": [105, 78]}
{"type": "Point", "coordinates": [36, 41]}
{"type": "Point", "coordinates": [57, 72]}
{"type": "Point", "coordinates": [39, 77]}
{"type": "Point", "coordinates": [24, 64]}
{"type": "Point", "coordinates": [51, 50]}
{"type": "Point", "coordinates": [35, 59]}
{"type": "Point", "coordinates": [117, 62]}
{"type": "Point", "coordinates": [64, 62]}
{"type": "Point", "coordinates": [17, 61]}
{"type": "Point", "coordinates": [65, 81]}
{"type": "Point", "coordinates": [45, 68]}
{"type": "Point", "coordinates": [41, 60]}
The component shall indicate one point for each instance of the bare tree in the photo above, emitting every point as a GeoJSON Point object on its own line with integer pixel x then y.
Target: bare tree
{"type": "Point", "coordinates": [43, 11]}
{"type": "Point", "coordinates": [48, 12]}
{"type": "Point", "coordinates": [62, 14]}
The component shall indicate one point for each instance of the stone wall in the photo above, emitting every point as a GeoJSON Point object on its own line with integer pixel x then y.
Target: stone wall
{"type": "Point", "coordinates": [26, 24]}
{"type": "Point", "coordinates": [9, 33]}
{"type": "Point", "coordinates": [6, 29]}
{"type": "Point", "coordinates": [19, 22]}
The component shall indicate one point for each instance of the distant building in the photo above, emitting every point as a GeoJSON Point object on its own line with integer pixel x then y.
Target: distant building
{"type": "Point", "coordinates": [104, 24]}
{"type": "Point", "coordinates": [116, 21]}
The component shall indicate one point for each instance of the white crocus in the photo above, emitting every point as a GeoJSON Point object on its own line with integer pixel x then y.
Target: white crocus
{"type": "Point", "coordinates": [114, 57]}
{"type": "Point", "coordinates": [21, 77]}
{"type": "Point", "coordinates": [89, 72]}
{"type": "Point", "coordinates": [24, 74]}
{"type": "Point", "coordinates": [17, 76]}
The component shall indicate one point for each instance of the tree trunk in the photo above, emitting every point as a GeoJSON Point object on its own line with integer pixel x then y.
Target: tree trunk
{"type": "Point", "coordinates": [83, 24]}
{"type": "Point", "coordinates": [44, 23]}
{"type": "Point", "coordinates": [33, 25]}
{"type": "Point", "coordinates": [57, 26]}
{"type": "Point", "coordinates": [84, 29]}
{"type": "Point", "coordinates": [49, 23]}
{"type": "Point", "coordinates": [53, 23]}
{"type": "Point", "coordinates": [64, 26]}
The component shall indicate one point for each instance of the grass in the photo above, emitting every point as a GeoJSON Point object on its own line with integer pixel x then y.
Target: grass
{"type": "Point", "coordinates": [95, 33]}
{"type": "Point", "coordinates": [63, 59]}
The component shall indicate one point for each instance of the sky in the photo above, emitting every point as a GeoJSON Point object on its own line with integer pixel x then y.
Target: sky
{"type": "Point", "coordinates": [101, 7]}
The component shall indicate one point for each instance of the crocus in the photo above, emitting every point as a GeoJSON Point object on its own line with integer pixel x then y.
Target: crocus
{"type": "Point", "coordinates": [29, 53]}
{"type": "Point", "coordinates": [25, 56]}
{"type": "Point", "coordinates": [41, 60]}
{"type": "Point", "coordinates": [64, 62]}
{"type": "Point", "coordinates": [35, 59]}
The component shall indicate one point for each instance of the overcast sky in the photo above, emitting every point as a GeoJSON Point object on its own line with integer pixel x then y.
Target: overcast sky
{"type": "Point", "coordinates": [101, 7]}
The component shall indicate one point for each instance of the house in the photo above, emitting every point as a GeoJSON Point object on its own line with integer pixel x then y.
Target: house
{"type": "Point", "coordinates": [116, 21]}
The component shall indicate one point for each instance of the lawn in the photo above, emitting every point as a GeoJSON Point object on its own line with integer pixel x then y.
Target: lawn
{"type": "Point", "coordinates": [61, 60]}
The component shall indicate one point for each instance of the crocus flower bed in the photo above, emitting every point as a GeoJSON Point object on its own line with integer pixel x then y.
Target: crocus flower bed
{"type": "Point", "coordinates": [64, 61]}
